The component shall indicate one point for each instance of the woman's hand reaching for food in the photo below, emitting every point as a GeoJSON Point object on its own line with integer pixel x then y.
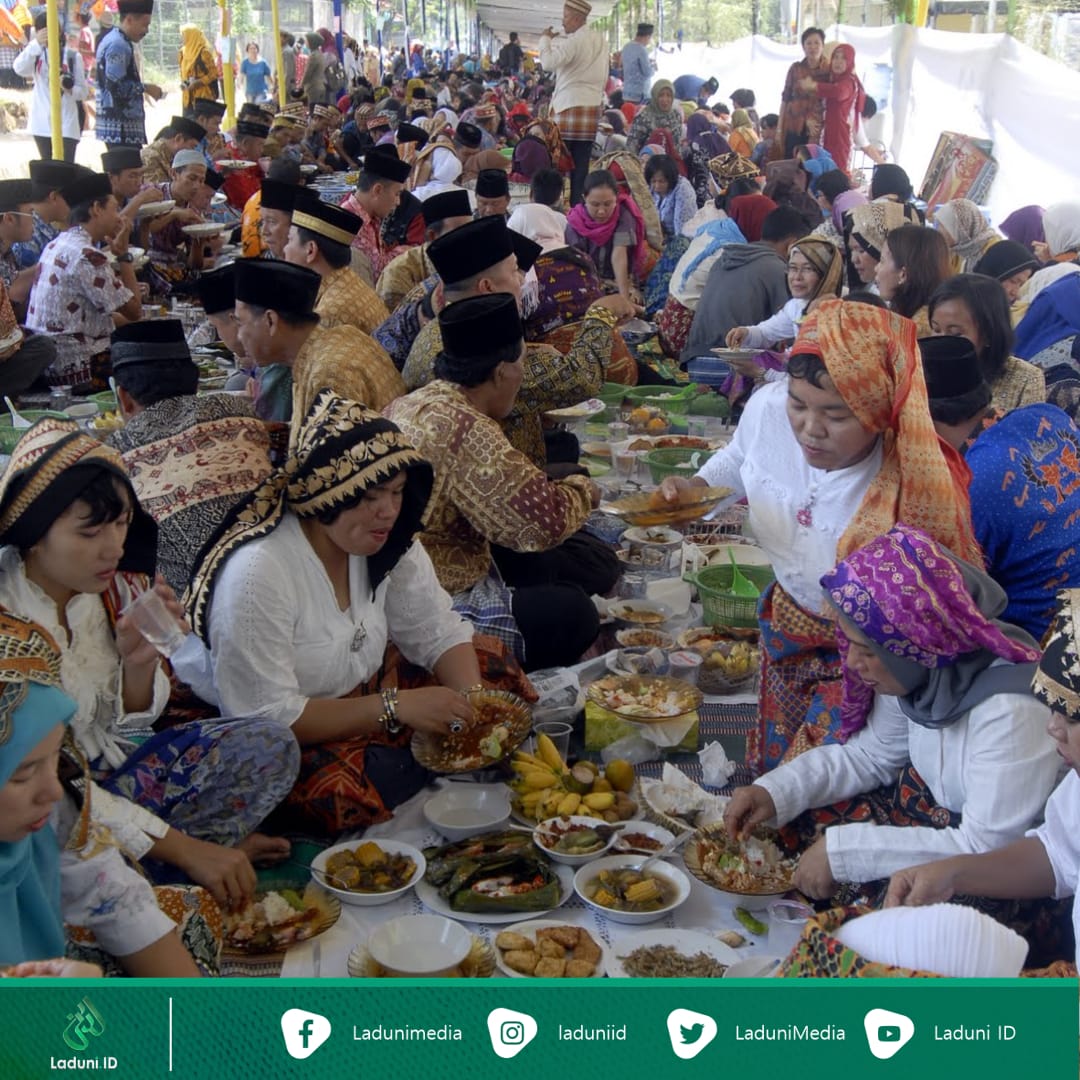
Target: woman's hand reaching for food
{"type": "Point", "coordinates": [673, 486]}
{"type": "Point", "coordinates": [736, 336]}
{"type": "Point", "coordinates": [433, 708]}
{"type": "Point", "coordinates": [748, 807]}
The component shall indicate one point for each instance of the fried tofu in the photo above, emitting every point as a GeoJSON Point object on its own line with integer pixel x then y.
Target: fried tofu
{"type": "Point", "coordinates": [509, 940]}
{"type": "Point", "coordinates": [586, 949]}
{"type": "Point", "coordinates": [525, 961]}
{"type": "Point", "coordinates": [550, 948]}
{"type": "Point", "coordinates": [566, 936]}
{"type": "Point", "coordinates": [550, 968]}
{"type": "Point", "coordinates": [579, 969]}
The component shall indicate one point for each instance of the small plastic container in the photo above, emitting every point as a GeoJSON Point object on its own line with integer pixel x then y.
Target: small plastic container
{"type": "Point", "coordinates": [155, 622]}
{"type": "Point", "coordinates": [685, 665]}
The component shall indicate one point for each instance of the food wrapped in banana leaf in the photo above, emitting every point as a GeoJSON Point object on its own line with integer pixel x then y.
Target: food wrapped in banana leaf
{"type": "Point", "coordinates": [493, 872]}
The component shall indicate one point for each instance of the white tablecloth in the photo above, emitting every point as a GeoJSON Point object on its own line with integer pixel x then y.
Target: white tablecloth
{"type": "Point", "coordinates": [706, 909]}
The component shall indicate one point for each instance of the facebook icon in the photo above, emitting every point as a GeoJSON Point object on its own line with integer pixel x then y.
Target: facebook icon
{"type": "Point", "coordinates": [304, 1032]}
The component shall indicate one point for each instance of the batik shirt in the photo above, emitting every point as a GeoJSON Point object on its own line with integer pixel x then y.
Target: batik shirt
{"type": "Point", "coordinates": [120, 115]}
{"type": "Point", "coordinates": [345, 300]}
{"type": "Point", "coordinates": [402, 275]}
{"type": "Point", "coordinates": [369, 238]}
{"type": "Point", "coordinates": [399, 330]}
{"type": "Point", "coordinates": [549, 381]}
{"type": "Point", "coordinates": [73, 299]}
{"type": "Point", "coordinates": [347, 361]}
{"type": "Point", "coordinates": [474, 462]}
{"type": "Point", "coordinates": [157, 163]}
{"type": "Point", "coordinates": [28, 252]}
{"type": "Point", "coordinates": [9, 266]}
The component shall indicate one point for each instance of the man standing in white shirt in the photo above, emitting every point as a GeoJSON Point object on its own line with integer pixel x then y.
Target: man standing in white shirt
{"type": "Point", "coordinates": [580, 64]}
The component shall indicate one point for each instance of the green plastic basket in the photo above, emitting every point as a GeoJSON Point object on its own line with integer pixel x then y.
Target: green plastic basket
{"type": "Point", "coordinates": [719, 606]}
{"type": "Point", "coordinates": [668, 461]}
{"type": "Point", "coordinates": [612, 395]}
{"type": "Point", "coordinates": [668, 398]}
{"type": "Point", "coordinates": [105, 401]}
{"type": "Point", "coordinates": [9, 435]}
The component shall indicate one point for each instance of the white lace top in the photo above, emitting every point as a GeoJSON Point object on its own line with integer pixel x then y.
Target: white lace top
{"type": "Point", "coordinates": [797, 513]}
{"type": "Point", "coordinates": [278, 637]}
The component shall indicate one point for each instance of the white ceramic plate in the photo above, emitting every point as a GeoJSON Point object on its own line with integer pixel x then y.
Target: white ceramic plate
{"type": "Point", "coordinates": [687, 942]}
{"type": "Point", "coordinates": [645, 828]}
{"type": "Point", "coordinates": [226, 164]}
{"type": "Point", "coordinates": [206, 228]}
{"type": "Point", "coordinates": [156, 209]}
{"type": "Point", "coordinates": [755, 967]}
{"type": "Point", "coordinates": [582, 411]}
{"type": "Point", "coordinates": [368, 899]}
{"type": "Point", "coordinates": [435, 903]}
{"type": "Point", "coordinates": [528, 929]}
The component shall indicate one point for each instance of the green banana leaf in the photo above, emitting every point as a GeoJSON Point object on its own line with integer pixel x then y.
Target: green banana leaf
{"type": "Point", "coordinates": [541, 899]}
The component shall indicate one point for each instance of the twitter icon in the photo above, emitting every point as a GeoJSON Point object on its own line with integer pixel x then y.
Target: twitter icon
{"type": "Point", "coordinates": [690, 1032]}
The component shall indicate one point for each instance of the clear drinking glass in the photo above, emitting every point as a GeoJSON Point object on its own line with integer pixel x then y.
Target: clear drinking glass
{"type": "Point", "coordinates": [786, 921]}
{"type": "Point", "coordinates": [558, 732]}
{"type": "Point", "coordinates": [155, 622]}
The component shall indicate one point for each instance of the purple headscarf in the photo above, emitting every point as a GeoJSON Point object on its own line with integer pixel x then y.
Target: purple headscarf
{"type": "Point", "coordinates": [1025, 226]}
{"type": "Point", "coordinates": [843, 203]}
{"type": "Point", "coordinates": [700, 132]}
{"type": "Point", "coordinates": [530, 156]}
{"type": "Point", "coordinates": [932, 620]}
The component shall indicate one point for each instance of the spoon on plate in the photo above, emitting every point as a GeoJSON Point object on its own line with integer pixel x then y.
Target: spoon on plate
{"type": "Point", "coordinates": [667, 849]}
{"type": "Point", "coordinates": [17, 419]}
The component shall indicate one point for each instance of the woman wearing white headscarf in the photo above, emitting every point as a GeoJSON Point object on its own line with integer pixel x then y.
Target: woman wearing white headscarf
{"type": "Point", "coordinates": [965, 230]}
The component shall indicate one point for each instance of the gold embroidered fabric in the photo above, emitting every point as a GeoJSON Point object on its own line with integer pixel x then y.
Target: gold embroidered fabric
{"type": "Point", "coordinates": [347, 361]}
{"type": "Point", "coordinates": [402, 275]}
{"type": "Point", "coordinates": [1019, 383]}
{"type": "Point", "coordinates": [550, 379]}
{"type": "Point", "coordinates": [486, 492]}
{"type": "Point", "coordinates": [345, 300]}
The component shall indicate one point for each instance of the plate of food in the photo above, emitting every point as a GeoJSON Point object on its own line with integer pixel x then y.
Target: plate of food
{"type": "Point", "coordinates": [309, 169]}
{"type": "Point", "coordinates": [643, 638]}
{"type": "Point", "coordinates": [370, 873]}
{"type": "Point", "coordinates": [670, 954]}
{"type": "Point", "coordinates": [644, 698]}
{"type": "Point", "coordinates": [734, 354]}
{"type": "Point", "coordinates": [156, 209]}
{"type": "Point", "coordinates": [616, 888]}
{"type": "Point", "coordinates": [280, 916]}
{"type": "Point", "coordinates": [651, 508]}
{"type": "Point", "coordinates": [573, 839]}
{"type": "Point", "coordinates": [677, 803]}
{"type": "Point", "coordinates": [597, 450]}
{"type": "Point", "coordinates": [752, 871]}
{"type": "Point", "coordinates": [204, 228]}
{"type": "Point", "coordinates": [501, 722]}
{"type": "Point", "coordinates": [548, 949]}
{"type": "Point", "coordinates": [492, 878]}
{"type": "Point", "coordinates": [478, 964]}
{"type": "Point", "coordinates": [227, 164]}
{"type": "Point", "coordinates": [639, 614]}
{"type": "Point", "coordinates": [581, 411]}
{"type": "Point", "coordinates": [641, 838]}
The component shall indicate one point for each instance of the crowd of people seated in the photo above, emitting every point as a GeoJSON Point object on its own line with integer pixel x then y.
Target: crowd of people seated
{"type": "Point", "coordinates": [381, 519]}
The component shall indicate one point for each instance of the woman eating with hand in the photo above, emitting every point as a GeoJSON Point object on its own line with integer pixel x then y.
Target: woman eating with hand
{"type": "Point", "coordinates": [77, 550]}
{"type": "Point", "coordinates": [1046, 862]}
{"type": "Point", "coordinates": [945, 749]}
{"type": "Point", "coordinates": [300, 593]}
{"type": "Point", "coordinates": [827, 460]}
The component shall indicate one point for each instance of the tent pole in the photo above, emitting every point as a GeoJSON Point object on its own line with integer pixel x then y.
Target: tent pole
{"type": "Point", "coordinates": [282, 89]}
{"type": "Point", "coordinates": [228, 80]}
{"type": "Point", "coordinates": [56, 60]}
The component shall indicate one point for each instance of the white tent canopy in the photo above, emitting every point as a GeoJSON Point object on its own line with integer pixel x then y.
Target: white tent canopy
{"type": "Point", "coordinates": [928, 81]}
{"type": "Point", "coordinates": [529, 20]}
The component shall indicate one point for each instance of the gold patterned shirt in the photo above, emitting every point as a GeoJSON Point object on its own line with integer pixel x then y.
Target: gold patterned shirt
{"type": "Point", "coordinates": [1019, 383]}
{"type": "Point", "coordinates": [402, 275]}
{"type": "Point", "coordinates": [157, 163]}
{"type": "Point", "coordinates": [550, 380]}
{"type": "Point", "coordinates": [345, 300]}
{"type": "Point", "coordinates": [485, 492]}
{"type": "Point", "coordinates": [347, 361]}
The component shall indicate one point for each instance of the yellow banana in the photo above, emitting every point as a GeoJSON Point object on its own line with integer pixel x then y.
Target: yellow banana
{"type": "Point", "coordinates": [536, 779]}
{"type": "Point", "coordinates": [599, 800]}
{"type": "Point", "coordinates": [569, 804]}
{"type": "Point", "coordinates": [531, 798]}
{"type": "Point", "coordinates": [520, 756]}
{"type": "Point", "coordinates": [545, 749]}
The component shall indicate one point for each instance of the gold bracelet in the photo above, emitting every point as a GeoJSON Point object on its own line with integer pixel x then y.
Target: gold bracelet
{"type": "Point", "coordinates": [388, 719]}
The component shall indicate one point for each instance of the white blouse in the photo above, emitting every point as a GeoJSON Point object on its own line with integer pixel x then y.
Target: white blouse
{"type": "Point", "coordinates": [100, 891]}
{"type": "Point", "coordinates": [278, 637]}
{"type": "Point", "coordinates": [1060, 835]}
{"type": "Point", "coordinates": [765, 463]}
{"type": "Point", "coordinates": [90, 666]}
{"type": "Point", "coordinates": [996, 766]}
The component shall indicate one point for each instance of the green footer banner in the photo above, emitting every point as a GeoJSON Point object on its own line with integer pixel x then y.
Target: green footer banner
{"type": "Point", "coordinates": [471, 1030]}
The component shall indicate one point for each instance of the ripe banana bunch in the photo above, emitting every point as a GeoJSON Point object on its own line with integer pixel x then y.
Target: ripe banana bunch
{"type": "Point", "coordinates": [543, 784]}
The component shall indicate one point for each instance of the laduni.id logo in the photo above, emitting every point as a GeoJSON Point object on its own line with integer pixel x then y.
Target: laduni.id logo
{"type": "Point", "coordinates": [690, 1032]}
{"type": "Point", "coordinates": [887, 1032]}
{"type": "Point", "coordinates": [304, 1032]}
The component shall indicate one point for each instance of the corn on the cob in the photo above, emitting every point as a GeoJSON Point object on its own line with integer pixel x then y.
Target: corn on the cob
{"type": "Point", "coordinates": [643, 892]}
{"type": "Point", "coordinates": [604, 898]}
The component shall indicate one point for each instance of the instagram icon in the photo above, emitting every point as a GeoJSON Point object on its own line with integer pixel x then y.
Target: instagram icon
{"type": "Point", "coordinates": [510, 1031]}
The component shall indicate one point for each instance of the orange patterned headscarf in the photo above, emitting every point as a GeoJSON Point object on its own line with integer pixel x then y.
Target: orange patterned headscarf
{"type": "Point", "coordinates": [872, 358]}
